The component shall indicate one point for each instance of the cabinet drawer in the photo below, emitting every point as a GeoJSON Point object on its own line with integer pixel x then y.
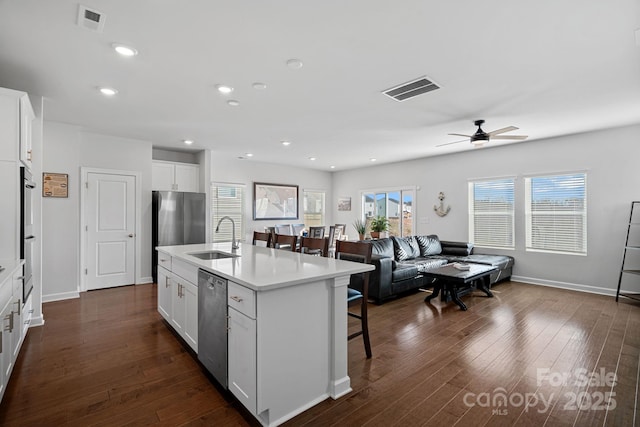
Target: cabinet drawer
{"type": "Point", "coordinates": [242, 299]}
{"type": "Point", "coordinates": [185, 270]}
{"type": "Point", "coordinates": [164, 260]}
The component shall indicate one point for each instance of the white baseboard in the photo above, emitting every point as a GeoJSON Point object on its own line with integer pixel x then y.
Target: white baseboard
{"type": "Point", "coordinates": [37, 321]}
{"type": "Point", "coordinates": [60, 297]}
{"type": "Point", "coordinates": [144, 280]}
{"type": "Point", "coordinates": [564, 285]}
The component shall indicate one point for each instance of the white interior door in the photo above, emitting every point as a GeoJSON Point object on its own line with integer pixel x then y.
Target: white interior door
{"type": "Point", "coordinates": [110, 220]}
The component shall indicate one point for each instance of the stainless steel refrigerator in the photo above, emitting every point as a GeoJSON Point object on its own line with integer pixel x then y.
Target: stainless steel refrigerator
{"type": "Point", "coordinates": [178, 219]}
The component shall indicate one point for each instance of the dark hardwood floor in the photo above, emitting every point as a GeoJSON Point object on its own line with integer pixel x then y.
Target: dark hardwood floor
{"type": "Point", "coordinates": [549, 355]}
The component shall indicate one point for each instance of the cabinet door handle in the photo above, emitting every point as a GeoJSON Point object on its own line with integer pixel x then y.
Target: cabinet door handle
{"type": "Point", "coordinates": [19, 308]}
{"type": "Point", "coordinates": [0, 342]}
{"type": "Point", "coordinates": [236, 298]}
{"type": "Point", "coordinates": [166, 282]}
{"type": "Point", "coordinates": [31, 311]}
{"type": "Point", "coordinates": [9, 317]}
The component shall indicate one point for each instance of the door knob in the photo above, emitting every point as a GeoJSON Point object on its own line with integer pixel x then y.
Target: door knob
{"type": "Point", "coordinates": [131, 235]}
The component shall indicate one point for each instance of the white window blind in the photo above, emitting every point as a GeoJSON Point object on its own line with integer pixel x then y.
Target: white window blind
{"type": "Point", "coordinates": [556, 212]}
{"type": "Point", "coordinates": [491, 213]}
{"type": "Point", "coordinates": [227, 200]}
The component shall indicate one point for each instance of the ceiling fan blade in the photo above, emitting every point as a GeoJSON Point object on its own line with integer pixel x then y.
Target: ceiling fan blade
{"type": "Point", "coordinates": [517, 137]}
{"type": "Point", "coordinates": [451, 143]}
{"type": "Point", "coordinates": [459, 134]}
{"type": "Point", "coordinates": [503, 130]}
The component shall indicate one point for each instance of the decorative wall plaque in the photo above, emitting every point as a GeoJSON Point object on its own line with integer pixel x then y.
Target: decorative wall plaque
{"type": "Point", "coordinates": [55, 184]}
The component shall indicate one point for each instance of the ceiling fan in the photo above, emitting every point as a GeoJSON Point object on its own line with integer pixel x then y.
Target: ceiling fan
{"type": "Point", "coordinates": [481, 137]}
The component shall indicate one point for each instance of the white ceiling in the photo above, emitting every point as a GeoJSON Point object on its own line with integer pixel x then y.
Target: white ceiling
{"type": "Point", "coordinates": [548, 67]}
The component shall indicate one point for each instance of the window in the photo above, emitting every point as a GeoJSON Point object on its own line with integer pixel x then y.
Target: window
{"type": "Point", "coordinates": [227, 200]}
{"type": "Point", "coordinates": [314, 208]}
{"type": "Point", "coordinates": [556, 213]}
{"type": "Point", "coordinates": [491, 213]}
{"type": "Point", "coordinates": [395, 205]}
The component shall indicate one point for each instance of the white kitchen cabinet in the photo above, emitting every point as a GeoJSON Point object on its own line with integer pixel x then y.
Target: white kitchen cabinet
{"type": "Point", "coordinates": [184, 316]}
{"type": "Point", "coordinates": [178, 297]}
{"type": "Point", "coordinates": [6, 354]}
{"type": "Point", "coordinates": [242, 364]}
{"type": "Point", "coordinates": [27, 314]}
{"type": "Point", "coordinates": [174, 176]}
{"type": "Point", "coordinates": [26, 119]}
{"type": "Point", "coordinates": [12, 332]}
{"type": "Point", "coordinates": [9, 210]}
{"type": "Point", "coordinates": [165, 292]}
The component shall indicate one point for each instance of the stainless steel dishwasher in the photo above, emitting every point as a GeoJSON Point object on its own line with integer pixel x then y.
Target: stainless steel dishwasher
{"type": "Point", "coordinates": [212, 324]}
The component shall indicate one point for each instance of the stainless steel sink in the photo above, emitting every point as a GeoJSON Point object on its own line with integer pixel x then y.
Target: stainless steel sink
{"type": "Point", "coordinates": [212, 255]}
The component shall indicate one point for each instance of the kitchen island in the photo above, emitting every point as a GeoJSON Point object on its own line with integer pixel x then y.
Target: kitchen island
{"type": "Point", "coordinates": [287, 322]}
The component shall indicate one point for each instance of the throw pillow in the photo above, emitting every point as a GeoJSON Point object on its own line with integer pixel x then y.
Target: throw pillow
{"type": "Point", "coordinates": [405, 248]}
{"type": "Point", "coordinates": [429, 245]}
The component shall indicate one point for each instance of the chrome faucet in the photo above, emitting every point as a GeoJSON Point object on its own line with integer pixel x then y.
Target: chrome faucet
{"type": "Point", "coordinates": [234, 244]}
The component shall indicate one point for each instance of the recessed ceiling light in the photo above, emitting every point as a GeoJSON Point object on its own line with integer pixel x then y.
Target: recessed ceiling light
{"type": "Point", "coordinates": [224, 89]}
{"type": "Point", "coordinates": [233, 102]}
{"type": "Point", "coordinates": [249, 154]}
{"type": "Point", "coordinates": [188, 141]}
{"type": "Point", "coordinates": [124, 50]}
{"type": "Point", "coordinates": [373, 160]}
{"type": "Point", "coordinates": [285, 143]}
{"type": "Point", "coordinates": [312, 158]}
{"type": "Point", "coordinates": [294, 63]}
{"type": "Point", "coordinates": [108, 91]}
{"type": "Point", "coordinates": [259, 86]}
{"type": "Point", "coordinates": [332, 167]}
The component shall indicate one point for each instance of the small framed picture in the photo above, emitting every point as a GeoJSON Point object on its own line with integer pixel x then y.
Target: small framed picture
{"type": "Point", "coordinates": [55, 184]}
{"type": "Point", "coordinates": [344, 203]}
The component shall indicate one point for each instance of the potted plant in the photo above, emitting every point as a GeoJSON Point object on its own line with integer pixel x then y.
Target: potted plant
{"type": "Point", "coordinates": [379, 224]}
{"type": "Point", "coordinates": [361, 228]}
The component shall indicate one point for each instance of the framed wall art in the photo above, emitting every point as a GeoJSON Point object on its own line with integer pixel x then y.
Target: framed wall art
{"type": "Point", "coordinates": [344, 203]}
{"type": "Point", "coordinates": [275, 201]}
{"type": "Point", "coordinates": [55, 184]}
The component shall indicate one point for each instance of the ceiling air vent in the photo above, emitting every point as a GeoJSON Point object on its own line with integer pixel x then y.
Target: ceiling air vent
{"type": "Point", "coordinates": [90, 19]}
{"type": "Point", "coordinates": [411, 89]}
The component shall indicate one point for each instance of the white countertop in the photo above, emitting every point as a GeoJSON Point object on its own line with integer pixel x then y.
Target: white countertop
{"type": "Point", "coordinates": [261, 268]}
{"type": "Point", "coordinates": [10, 266]}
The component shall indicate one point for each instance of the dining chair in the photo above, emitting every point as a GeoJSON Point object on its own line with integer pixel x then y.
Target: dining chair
{"type": "Point", "coordinates": [283, 229]}
{"type": "Point", "coordinates": [334, 234]}
{"type": "Point", "coordinates": [297, 229]}
{"type": "Point", "coordinates": [358, 252]}
{"type": "Point", "coordinates": [311, 246]}
{"type": "Point", "coordinates": [262, 237]}
{"type": "Point", "coordinates": [343, 230]}
{"type": "Point", "coordinates": [283, 241]}
{"type": "Point", "coordinates": [316, 232]}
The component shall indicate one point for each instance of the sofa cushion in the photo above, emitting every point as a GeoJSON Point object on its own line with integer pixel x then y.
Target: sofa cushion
{"type": "Point", "coordinates": [456, 248]}
{"type": "Point", "coordinates": [382, 247]}
{"type": "Point", "coordinates": [429, 245]}
{"type": "Point", "coordinates": [500, 261]}
{"type": "Point", "coordinates": [405, 248]}
{"type": "Point", "coordinates": [424, 264]}
{"type": "Point", "coordinates": [404, 271]}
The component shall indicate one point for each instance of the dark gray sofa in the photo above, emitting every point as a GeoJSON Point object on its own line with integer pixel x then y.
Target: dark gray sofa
{"type": "Point", "coordinates": [400, 263]}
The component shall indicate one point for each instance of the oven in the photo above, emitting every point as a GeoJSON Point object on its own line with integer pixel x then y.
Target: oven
{"type": "Point", "coordinates": [27, 238]}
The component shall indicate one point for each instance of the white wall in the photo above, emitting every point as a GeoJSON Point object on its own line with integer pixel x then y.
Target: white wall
{"type": "Point", "coordinates": [610, 158]}
{"type": "Point", "coordinates": [247, 172]}
{"type": "Point", "coordinates": [66, 150]}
